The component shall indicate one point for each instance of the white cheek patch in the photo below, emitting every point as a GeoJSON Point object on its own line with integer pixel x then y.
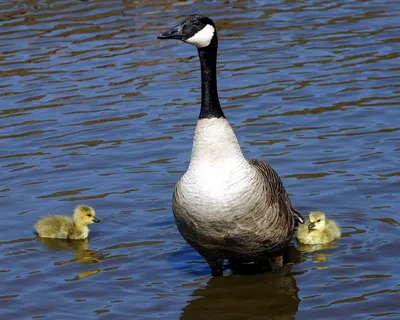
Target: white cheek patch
{"type": "Point", "coordinates": [202, 38]}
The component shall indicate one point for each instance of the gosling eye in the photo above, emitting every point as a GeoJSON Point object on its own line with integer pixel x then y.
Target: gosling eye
{"type": "Point", "coordinates": [319, 220]}
{"type": "Point", "coordinates": [89, 215]}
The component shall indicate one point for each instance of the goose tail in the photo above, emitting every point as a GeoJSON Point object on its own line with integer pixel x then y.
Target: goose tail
{"type": "Point", "coordinates": [298, 218]}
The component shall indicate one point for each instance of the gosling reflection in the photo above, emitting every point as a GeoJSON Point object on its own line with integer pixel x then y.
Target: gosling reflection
{"type": "Point", "coordinates": [82, 252]}
{"type": "Point", "coordinates": [317, 247]}
{"type": "Point", "coordinates": [318, 257]}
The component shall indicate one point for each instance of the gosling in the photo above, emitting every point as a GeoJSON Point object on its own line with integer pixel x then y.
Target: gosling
{"type": "Point", "coordinates": [63, 227]}
{"type": "Point", "coordinates": [318, 229]}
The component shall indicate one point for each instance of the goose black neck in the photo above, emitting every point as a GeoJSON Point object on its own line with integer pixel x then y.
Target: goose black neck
{"type": "Point", "coordinates": [210, 106]}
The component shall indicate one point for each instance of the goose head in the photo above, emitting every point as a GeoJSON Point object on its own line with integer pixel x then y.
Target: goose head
{"type": "Point", "coordinates": [197, 30]}
{"type": "Point", "coordinates": [200, 31]}
{"type": "Point", "coordinates": [317, 221]}
{"type": "Point", "coordinates": [85, 215]}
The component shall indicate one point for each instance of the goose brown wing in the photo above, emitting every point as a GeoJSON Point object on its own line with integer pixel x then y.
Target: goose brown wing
{"type": "Point", "coordinates": [276, 191]}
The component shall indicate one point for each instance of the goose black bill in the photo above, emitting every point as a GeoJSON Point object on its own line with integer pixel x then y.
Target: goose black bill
{"type": "Point", "coordinates": [174, 33]}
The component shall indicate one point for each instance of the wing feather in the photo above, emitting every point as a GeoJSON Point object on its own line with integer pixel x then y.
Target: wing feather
{"type": "Point", "coordinates": [277, 191]}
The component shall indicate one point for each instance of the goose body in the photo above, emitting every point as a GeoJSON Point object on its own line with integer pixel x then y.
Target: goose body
{"type": "Point", "coordinates": [318, 230]}
{"type": "Point", "coordinates": [64, 227]}
{"type": "Point", "coordinates": [224, 205]}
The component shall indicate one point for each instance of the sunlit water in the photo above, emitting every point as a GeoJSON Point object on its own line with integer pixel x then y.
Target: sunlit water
{"type": "Point", "coordinates": [95, 110]}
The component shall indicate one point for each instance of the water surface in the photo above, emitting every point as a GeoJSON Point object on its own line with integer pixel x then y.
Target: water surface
{"type": "Point", "coordinates": [95, 110]}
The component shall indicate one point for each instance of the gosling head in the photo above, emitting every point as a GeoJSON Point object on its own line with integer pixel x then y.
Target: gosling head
{"type": "Point", "coordinates": [85, 215]}
{"type": "Point", "coordinates": [317, 221]}
{"type": "Point", "coordinates": [195, 29]}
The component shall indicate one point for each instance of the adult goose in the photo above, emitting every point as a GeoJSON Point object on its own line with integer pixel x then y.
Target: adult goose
{"type": "Point", "coordinates": [227, 207]}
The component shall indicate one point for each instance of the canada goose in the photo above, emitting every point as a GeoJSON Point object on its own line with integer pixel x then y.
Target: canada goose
{"type": "Point", "coordinates": [63, 227]}
{"type": "Point", "coordinates": [224, 205]}
{"type": "Point", "coordinates": [318, 230]}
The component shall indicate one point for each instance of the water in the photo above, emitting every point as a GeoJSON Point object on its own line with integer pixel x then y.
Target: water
{"type": "Point", "coordinates": [95, 110]}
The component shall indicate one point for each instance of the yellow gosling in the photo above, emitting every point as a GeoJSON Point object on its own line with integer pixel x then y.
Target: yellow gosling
{"type": "Point", "coordinates": [63, 227]}
{"type": "Point", "coordinates": [317, 230]}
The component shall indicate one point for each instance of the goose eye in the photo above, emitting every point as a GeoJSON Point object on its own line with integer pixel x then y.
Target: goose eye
{"type": "Point", "coordinates": [197, 23]}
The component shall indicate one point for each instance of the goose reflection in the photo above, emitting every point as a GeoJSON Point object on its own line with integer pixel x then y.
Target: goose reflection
{"type": "Point", "coordinates": [82, 252]}
{"type": "Point", "coordinates": [265, 295]}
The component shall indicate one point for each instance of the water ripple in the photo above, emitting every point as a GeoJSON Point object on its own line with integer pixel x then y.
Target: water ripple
{"type": "Point", "coordinates": [96, 110]}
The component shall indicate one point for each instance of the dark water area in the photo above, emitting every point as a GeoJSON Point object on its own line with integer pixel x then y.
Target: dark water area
{"type": "Point", "coordinates": [95, 110]}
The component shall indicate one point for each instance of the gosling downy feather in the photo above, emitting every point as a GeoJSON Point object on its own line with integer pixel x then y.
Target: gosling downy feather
{"type": "Point", "coordinates": [318, 230]}
{"type": "Point", "coordinates": [63, 227]}
{"type": "Point", "coordinates": [224, 205]}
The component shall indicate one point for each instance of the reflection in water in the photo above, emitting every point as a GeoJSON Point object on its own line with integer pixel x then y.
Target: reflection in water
{"type": "Point", "coordinates": [317, 247]}
{"type": "Point", "coordinates": [82, 253]}
{"type": "Point", "coordinates": [248, 294]}
{"type": "Point", "coordinates": [318, 257]}
{"type": "Point", "coordinates": [267, 295]}
{"type": "Point", "coordinates": [84, 274]}
{"type": "Point", "coordinates": [88, 103]}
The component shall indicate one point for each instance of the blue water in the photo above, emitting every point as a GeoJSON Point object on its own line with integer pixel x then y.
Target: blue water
{"type": "Point", "coordinates": [95, 110]}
